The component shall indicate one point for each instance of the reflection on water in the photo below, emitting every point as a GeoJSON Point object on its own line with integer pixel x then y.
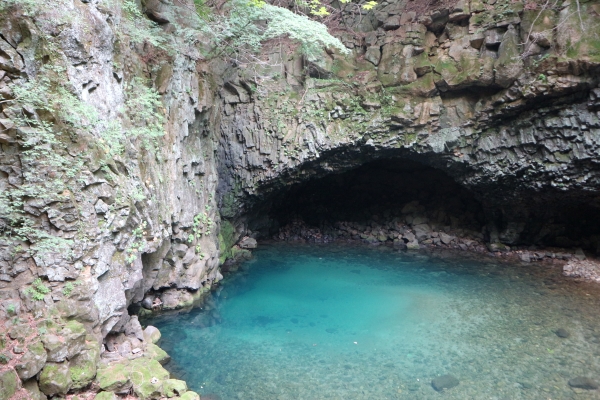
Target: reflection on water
{"type": "Point", "coordinates": [352, 322]}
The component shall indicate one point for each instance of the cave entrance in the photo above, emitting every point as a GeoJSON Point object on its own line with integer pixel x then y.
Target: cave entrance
{"type": "Point", "coordinates": [376, 200]}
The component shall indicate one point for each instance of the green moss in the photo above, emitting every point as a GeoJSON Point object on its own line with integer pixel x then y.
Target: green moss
{"type": "Point", "coordinates": [190, 396]}
{"type": "Point", "coordinates": [410, 138]}
{"type": "Point", "coordinates": [174, 387]}
{"type": "Point", "coordinates": [55, 379]}
{"type": "Point", "coordinates": [113, 377]}
{"type": "Point", "coordinates": [75, 327]}
{"type": "Point", "coordinates": [9, 384]}
{"type": "Point", "coordinates": [83, 367]}
{"type": "Point", "coordinates": [147, 377]}
{"type": "Point", "coordinates": [105, 396]}
{"type": "Point", "coordinates": [226, 240]}
{"type": "Point", "coordinates": [156, 353]}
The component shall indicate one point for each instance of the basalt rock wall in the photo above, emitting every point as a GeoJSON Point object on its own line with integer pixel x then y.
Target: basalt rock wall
{"type": "Point", "coordinates": [504, 102]}
{"type": "Point", "coordinates": [101, 212]}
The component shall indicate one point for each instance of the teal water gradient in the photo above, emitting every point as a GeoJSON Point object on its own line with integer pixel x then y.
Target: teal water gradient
{"type": "Point", "coordinates": [357, 322]}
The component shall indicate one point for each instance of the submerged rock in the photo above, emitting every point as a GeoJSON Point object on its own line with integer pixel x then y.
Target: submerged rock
{"type": "Point", "coordinates": [562, 333]}
{"type": "Point", "coordinates": [444, 382]}
{"type": "Point", "coordinates": [582, 382]}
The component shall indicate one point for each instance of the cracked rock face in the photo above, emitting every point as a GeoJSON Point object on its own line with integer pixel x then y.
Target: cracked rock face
{"type": "Point", "coordinates": [506, 111]}
{"type": "Point", "coordinates": [517, 125]}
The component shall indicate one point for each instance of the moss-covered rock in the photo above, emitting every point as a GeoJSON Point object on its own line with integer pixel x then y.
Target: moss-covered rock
{"type": "Point", "coordinates": [114, 378]}
{"type": "Point", "coordinates": [32, 361]}
{"type": "Point", "coordinates": [156, 353]}
{"type": "Point", "coordinates": [174, 387]}
{"type": "Point", "coordinates": [147, 377]}
{"type": "Point", "coordinates": [33, 390]}
{"type": "Point", "coordinates": [55, 379]}
{"type": "Point", "coordinates": [83, 366]}
{"type": "Point", "coordinates": [56, 347]}
{"type": "Point", "coordinates": [151, 334]}
{"type": "Point", "coordinates": [509, 64]}
{"type": "Point", "coordinates": [226, 241]}
{"type": "Point", "coordinates": [9, 384]}
{"type": "Point", "coordinates": [105, 396]}
{"type": "Point", "coordinates": [74, 334]}
{"type": "Point", "coordinates": [190, 396]}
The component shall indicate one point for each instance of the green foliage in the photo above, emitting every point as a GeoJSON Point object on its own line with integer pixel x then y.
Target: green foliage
{"type": "Point", "coordinates": [143, 104]}
{"type": "Point", "coordinates": [201, 226]}
{"type": "Point", "coordinates": [11, 309]}
{"type": "Point", "coordinates": [46, 168]}
{"type": "Point", "coordinates": [68, 288]}
{"type": "Point", "coordinates": [137, 242]}
{"type": "Point", "coordinates": [138, 28]}
{"type": "Point", "coordinates": [243, 32]}
{"type": "Point", "coordinates": [4, 359]}
{"type": "Point", "coordinates": [202, 9]}
{"type": "Point", "coordinates": [37, 290]}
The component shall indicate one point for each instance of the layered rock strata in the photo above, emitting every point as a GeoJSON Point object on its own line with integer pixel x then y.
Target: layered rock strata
{"type": "Point", "coordinates": [102, 210]}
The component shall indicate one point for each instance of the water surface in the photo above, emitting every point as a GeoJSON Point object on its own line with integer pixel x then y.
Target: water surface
{"type": "Point", "coordinates": [357, 322]}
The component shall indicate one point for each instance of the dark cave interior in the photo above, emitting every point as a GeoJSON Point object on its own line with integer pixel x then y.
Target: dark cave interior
{"type": "Point", "coordinates": [383, 191]}
{"type": "Point", "coordinates": [379, 191]}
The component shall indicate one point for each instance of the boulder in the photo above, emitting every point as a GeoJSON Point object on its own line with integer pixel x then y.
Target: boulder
{"type": "Point", "coordinates": [413, 245]}
{"type": "Point", "coordinates": [562, 333]}
{"type": "Point", "coordinates": [82, 368]}
{"type": "Point", "coordinates": [9, 384]}
{"type": "Point", "coordinates": [582, 382]}
{"type": "Point", "coordinates": [56, 347]}
{"type": "Point", "coordinates": [33, 390]}
{"type": "Point", "coordinates": [105, 396]}
{"type": "Point", "coordinates": [446, 239]}
{"type": "Point", "coordinates": [247, 243]}
{"type": "Point", "coordinates": [444, 382]}
{"type": "Point", "coordinates": [114, 378]}
{"type": "Point", "coordinates": [55, 379]}
{"type": "Point", "coordinates": [74, 334]}
{"type": "Point", "coordinates": [174, 387]}
{"type": "Point", "coordinates": [147, 303]}
{"type": "Point", "coordinates": [151, 334]}
{"type": "Point", "coordinates": [156, 353]}
{"type": "Point", "coordinates": [190, 396]}
{"type": "Point", "coordinates": [32, 361]}
{"type": "Point", "coordinates": [422, 231]}
{"type": "Point", "coordinates": [148, 378]}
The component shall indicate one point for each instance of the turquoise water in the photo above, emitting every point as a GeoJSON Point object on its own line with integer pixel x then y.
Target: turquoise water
{"type": "Point", "coordinates": [352, 322]}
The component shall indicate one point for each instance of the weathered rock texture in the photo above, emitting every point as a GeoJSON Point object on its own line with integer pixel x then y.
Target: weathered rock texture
{"type": "Point", "coordinates": [100, 213]}
{"type": "Point", "coordinates": [516, 124]}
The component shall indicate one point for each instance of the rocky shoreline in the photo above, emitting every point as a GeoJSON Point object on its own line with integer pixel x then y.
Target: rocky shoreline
{"type": "Point", "coordinates": [421, 236]}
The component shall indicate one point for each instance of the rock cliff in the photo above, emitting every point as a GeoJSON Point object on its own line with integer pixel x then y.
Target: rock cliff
{"type": "Point", "coordinates": [131, 165]}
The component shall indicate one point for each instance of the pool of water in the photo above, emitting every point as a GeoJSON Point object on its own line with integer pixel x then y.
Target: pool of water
{"type": "Point", "coordinates": [358, 322]}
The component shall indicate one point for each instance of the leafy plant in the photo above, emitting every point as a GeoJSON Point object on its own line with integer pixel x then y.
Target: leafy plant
{"type": "Point", "coordinates": [241, 31]}
{"type": "Point", "coordinates": [11, 309]}
{"type": "Point", "coordinates": [68, 288]}
{"type": "Point", "coordinates": [138, 28]}
{"type": "Point", "coordinates": [137, 243]}
{"type": "Point", "coordinates": [38, 290]}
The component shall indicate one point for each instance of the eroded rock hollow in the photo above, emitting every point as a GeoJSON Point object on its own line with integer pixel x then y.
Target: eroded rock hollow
{"type": "Point", "coordinates": [133, 165]}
